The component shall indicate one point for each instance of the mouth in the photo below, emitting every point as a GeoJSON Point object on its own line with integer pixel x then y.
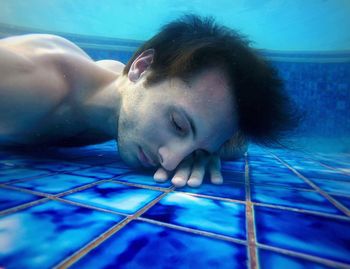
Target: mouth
{"type": "Point", "coordinates": [144, 160]}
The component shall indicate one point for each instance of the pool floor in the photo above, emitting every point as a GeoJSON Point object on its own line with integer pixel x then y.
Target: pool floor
{"type": "Point", "coordinates": [83, 208]}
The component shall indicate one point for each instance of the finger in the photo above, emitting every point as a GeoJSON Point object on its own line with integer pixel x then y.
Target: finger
{"type": "Point", "coordinates": [161, 175]}
{"type": "Point", "coordinates": [182, 173]}
{"type": "Point", "coordinates": [198, 171]}
{"type": "Point", "coordinates": [215, 170]}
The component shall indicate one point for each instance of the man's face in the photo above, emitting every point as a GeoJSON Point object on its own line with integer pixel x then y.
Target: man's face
{"type": "Point", "coordinates": [170, 120]}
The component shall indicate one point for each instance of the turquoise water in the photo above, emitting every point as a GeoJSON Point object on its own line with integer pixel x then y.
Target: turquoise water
{"type": "Point", "coordinates": [83, 208]}
{"type": "Point", "coordinates": [308, 43]}
{"type": "Point", "coordinates": [272, 24]}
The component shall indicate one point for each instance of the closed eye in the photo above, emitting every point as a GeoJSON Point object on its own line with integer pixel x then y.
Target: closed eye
{"type": "Point", "coordinates": [177, 125]}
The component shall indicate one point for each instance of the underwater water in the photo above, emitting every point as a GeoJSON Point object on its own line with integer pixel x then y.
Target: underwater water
{"type": "Point", "coordinates": [84, 208]}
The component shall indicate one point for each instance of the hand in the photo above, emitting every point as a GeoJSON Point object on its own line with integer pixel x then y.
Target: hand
{"type": "Point", "coordinates": [191, 170]}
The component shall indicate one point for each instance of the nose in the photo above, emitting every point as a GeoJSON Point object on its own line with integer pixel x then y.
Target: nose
{"type": "Point", "coordinates": [171, 155]}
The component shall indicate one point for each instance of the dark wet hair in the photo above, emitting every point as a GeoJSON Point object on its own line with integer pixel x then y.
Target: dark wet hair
{"type": "Point", "coordinates": [186, 46]}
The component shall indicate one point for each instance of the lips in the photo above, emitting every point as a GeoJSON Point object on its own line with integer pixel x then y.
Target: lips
{"type": "Point", "coordinates": [145, 161]}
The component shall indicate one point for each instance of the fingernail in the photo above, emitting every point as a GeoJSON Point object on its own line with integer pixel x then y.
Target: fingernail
{"type": "Point", "coordinates": [217, 181]}
{"type": "Point", "coordinates": [160, 174]}
{"type": "Point", "coordinates": [193, 184]}
{"type": "Point", "coordinates": [178, 181]}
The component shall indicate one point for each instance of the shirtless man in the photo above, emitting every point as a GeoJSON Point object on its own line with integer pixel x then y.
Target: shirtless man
{"type": "Point", "coordinates": [175, 107]}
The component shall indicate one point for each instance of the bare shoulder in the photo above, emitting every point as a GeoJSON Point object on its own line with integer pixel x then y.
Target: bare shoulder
{"type": "Point", "coordinates": [37, 73]}
{"type": "Point", "coordinates": [50, 53]}
{"type": "Point", "coordinates": [112, 65]}
{"type": "Point", "coordinates": [40, 44]}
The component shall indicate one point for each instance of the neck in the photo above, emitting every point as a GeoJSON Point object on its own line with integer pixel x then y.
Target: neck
{"type": "Point", "coordinates": [102, 110]}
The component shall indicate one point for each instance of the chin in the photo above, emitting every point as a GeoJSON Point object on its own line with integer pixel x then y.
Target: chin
{"type": "Point", "coordinates": [128, 157]}
{"type": "Point", "coordinates": [132, 160]}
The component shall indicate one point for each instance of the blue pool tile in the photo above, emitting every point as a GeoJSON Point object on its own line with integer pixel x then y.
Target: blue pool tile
{"type": "Point", "coordinates": [343, 200]}
{"type": "Point", "coordinates": [8, 174]}
{"type": "Point", "coordinates": [346, 170]}
{"type": "Point", "coordinates": [143, 178]}
{"type": "Point", "coordinates": [265, 168]}
{"type": "Point", "coordinates": [293, 198]}
{"type": "Point", "coordinates": [272, 177]}
{"type": "Point", "coordinates": [315, 235]}
{"type": "Point", "coordinates": [114, 196]}
{"type": "Point", "coordinates": [334, 186]}
{"type": "Point", "coordinates": [337, 157]}
{"type": "Point", "coordinates": [143, 245]}
{"type": "Point", "coordinates": [231, 176]}
{"type": "Point", "coordinates": [55, 183]}
{"type": "Point", "coordinates": [95, 160]}
{"type": "Point", "coordinates": [18, 161]}
{"type": "Point", "coordinates": [118, 164]}
{"type": "Point", "coordinates": [205, 214]}
{"type": "Point", "coordinates": [41, 236]}
{"type": "Point", "coordinates": [57, 165]}
{"type": "Point", "coordinates": [304, 166]}
{"type": "Point", "coordinates": [231, 190]}
{"type": "Point", "coordinates": [264, 159]}
{"type": "Point", "coordinates": [270, 170]}
{"type": "Point", "coordinates": [266, 163]}
{"type": "Point", "coordinates": [73, 153]}
{"type": "Point", "coordinates": [10, 198]}
{"type": "Point", "coordinates": [325, 174]}
{"type": "Point", "coordinates": [337, 162]}
{"type": "Point", "coordinates": [270, 259]}
{"type": "Point", "coordinates": [100, 172]}
{"type": "Point", "coordinates": [237, 166]}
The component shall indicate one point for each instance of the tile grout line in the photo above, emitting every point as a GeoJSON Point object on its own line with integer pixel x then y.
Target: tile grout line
{"type": "Point", "coordinates": [211, 197]}
{"type": "Point", "coordinates": [106, 235]}
{"type": "Point", "coordinates": [341, 195]}
{"type": "Point", "coordinates": [169, 225]}
{"type": "Point", "coordinates": [251, 240]}
{"type": "Point", "coordinates": [142, 186]}
{"type": "Point", "coordinates": [279, 186]}
{"type": "Point", "coordinates": [24, 190]}
{"type": "Point", "coordinates": [195, 231]}
{"type": "Point", "coordinates": [318, 189]}
{"type": "Point", "coordinates": [310, 157]}
{"type": "Point", "coordinates": [19, 180]}
{"type": "Point", "coordinates": [203, 233]}
{"type": "Point", "coordinates": [149, 205]}
{"type": "Point", "coordinates": [66, 263]}
{"type": "Point", "coordinates": [15, 209]}
{"type": "Point", "coordinates": [89, 185]}
{"type": "Point", "coordinates": [304, 211]}
{"type": "Point", "coordinates": [45, 197]}
{"type": "Point", "coordinates": [79, 204]}
{"type": "Point", "coordinates": [305, 256]}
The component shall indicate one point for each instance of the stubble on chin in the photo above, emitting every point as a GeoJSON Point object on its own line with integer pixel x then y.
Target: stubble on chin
{"type": "Point", "coordinates": [126, 153]}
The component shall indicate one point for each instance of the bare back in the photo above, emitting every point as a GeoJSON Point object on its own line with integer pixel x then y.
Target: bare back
{"type": "Point", "coordinates": [44, 81]}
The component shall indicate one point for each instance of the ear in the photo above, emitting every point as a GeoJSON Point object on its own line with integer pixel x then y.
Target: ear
{"type": "Point", "coordinates": [141, 64]}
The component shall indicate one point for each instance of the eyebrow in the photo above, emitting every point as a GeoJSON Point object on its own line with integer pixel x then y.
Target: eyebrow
{"type": "Point", "coordinates": [193, 127]}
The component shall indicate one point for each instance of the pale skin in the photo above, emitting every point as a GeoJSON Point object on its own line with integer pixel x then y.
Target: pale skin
{"type": "Point", "coordinates": [52, 92]}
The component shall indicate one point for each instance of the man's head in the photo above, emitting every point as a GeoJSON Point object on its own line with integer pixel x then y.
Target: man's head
{"type": "Point", "coordinates": [194, 66]}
